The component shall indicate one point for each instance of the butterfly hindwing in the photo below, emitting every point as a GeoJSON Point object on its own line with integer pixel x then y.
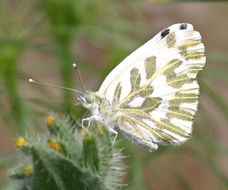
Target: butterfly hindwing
{"type": "Point", "coordinates": [155, 87]}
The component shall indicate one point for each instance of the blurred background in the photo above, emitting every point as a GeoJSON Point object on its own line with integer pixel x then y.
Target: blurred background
{"type": "Point", "coordinates": [42, 38]}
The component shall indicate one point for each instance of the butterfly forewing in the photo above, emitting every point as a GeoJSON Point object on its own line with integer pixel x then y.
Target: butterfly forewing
{"type": "Point", "coordinates": [155, 88]}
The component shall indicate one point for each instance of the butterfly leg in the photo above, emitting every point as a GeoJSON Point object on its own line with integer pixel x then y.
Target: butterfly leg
{"type": "Point", "coordinates": [114, 140]}
{"type": "Point", "coordinates": [89, 119]}
{"type": "Point", "coordinates": [115, 133]}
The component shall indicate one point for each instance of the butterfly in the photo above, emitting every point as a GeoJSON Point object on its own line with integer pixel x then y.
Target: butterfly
{"type": "Point", "coordinates": [151, 97]}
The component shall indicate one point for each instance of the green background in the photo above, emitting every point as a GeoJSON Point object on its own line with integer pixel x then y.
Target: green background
{"type": "Point", "coordinates": [42, 39]}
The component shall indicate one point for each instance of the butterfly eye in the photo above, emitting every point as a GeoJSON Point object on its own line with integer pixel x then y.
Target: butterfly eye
{"type": "Point", "coordinates": [89, 98]}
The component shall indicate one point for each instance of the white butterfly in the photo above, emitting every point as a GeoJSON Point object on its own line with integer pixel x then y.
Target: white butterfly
{"type": "Point", "coordinates": [151, 97]}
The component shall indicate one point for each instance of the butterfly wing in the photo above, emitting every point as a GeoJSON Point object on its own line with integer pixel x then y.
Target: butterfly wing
{"type": "Point", "coordinates": [155, 88]}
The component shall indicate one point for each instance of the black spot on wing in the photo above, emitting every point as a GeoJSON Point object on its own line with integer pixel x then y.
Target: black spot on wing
{"type": "Point", "coordinates": [165, 32]}
{"type": "Point", "coordinates": [183, 26]}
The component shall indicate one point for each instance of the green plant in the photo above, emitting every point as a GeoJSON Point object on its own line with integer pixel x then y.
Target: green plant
{"type": "Point", "coordinates": [70, 158]}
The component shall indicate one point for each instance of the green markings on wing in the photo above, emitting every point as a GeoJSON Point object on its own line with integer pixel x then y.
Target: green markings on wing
{"type": "Point", "coordinates": [150, 66]}
{"type": "Point", "coordinates": [167, 70]}
{"type": "Point", "coordinates": [174, 109]}
{"type": "Point", "coordinates": [150, 104]}
{"type": "Point", "coordinates": [117, 91]}
{"type": "Point", "coordinates": [172, 65]}
{"type": "Point", "coordinates": [190, 50]}
{"type": "Point", "coordinates": [176, 112]}
{"type": "Point", "coordinates": [137, 121]}
{"type": "Point", "coordinates": [171, 40]}
{"type": "Point", "coordinates": [195, 54]}
{"type": "Point", "coordinates": [194, 69]}
{"type": "Point", "coordinates": [135, 79]}
{"type": "Point", "coordinates": [188, 43]}
{"type": "Point", "coordinates": [183, 49]}
{"type": "Point", "coordinates": [166, 124]}
{"type": "Point", "coordinates": [144, 92]}
{"type": "Point", "coordinates": [161, 125]}
{"type": "Point", "coordinates": [176, 80]}
{"type": "Point", "coordinates": [132, 124]}
{"type": "Point", "coordinates": [180, 98]}
{"type": "Point", "coordinates": [165, 138]}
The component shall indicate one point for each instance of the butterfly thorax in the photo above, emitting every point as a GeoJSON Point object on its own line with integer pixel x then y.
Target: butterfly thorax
{"type": "Point", "coordinates": [100, 108]}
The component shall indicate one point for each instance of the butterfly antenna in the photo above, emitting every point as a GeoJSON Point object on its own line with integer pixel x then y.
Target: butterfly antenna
{"type": "Point", "coordinates": [52, 86]}
{"type": "Point", "coordinates": [80, 76]}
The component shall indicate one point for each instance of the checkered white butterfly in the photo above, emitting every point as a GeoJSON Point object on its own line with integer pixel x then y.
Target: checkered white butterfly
{"type": "Point", "coordinates": [151, 97]}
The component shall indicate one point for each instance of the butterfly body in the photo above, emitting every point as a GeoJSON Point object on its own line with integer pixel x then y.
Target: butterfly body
{"type": "Point", "coordinates": [151, 97]}
{"type": "Point", "coordinates": [100, 108]}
